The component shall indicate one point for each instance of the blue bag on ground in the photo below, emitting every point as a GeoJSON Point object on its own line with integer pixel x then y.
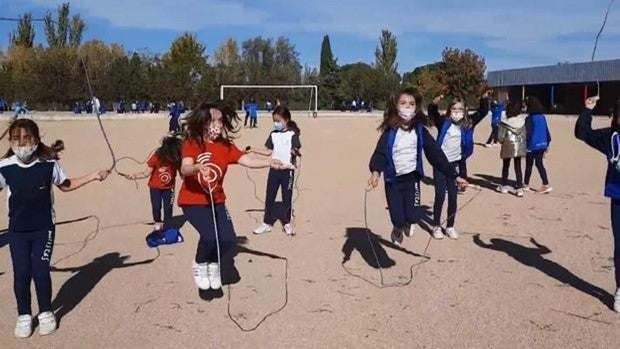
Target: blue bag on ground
{"type": "Point", "coordinates": [168, 237]}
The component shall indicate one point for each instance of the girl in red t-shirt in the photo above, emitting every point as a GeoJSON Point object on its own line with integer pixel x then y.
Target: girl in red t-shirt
{"type": "Point", "coordinates": [207, 152]}
{"type": "Point", "coordinates": [162, 170]}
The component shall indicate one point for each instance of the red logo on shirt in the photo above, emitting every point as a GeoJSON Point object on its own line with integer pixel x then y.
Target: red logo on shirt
{"type": "Point", "coordinates": [209, 179]}
{"type": "Point", "coordinates": [164, 175]}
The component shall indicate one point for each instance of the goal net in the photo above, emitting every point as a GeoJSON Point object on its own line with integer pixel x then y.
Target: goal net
{"type": "Point", "coordinates": [300, 98]}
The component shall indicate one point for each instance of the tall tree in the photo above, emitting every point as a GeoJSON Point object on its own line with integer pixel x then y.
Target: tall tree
{"type": "Point", "coordinates": [463, 73]}
{"type": "Point", "coordinates": [329, 79]}
{"type": "Point", "coordinates": [185, 65]}
{"type": "Point", "coordinates": [62, 32]}
{"type": "Point", "coordinates": [385, 63]}
{"type": "Point", "coordinates": [428, 79]}
{"type": "Point", "coordinates": [24, 34]}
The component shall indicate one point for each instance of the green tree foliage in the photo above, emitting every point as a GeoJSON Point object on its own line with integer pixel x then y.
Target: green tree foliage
{"type": "Point", "coordinates": [62, 31]}
{"type": "Point", "coordinates": [24, 34]}
{"type": "Point", "coordinates": [329, 78]}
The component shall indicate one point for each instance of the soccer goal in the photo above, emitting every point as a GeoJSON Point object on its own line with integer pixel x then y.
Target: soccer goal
{"type": "Point", "coordinates": [313, 102]}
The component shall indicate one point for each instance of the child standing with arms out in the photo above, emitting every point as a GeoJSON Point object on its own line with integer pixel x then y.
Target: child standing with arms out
{"type": "Point", "coordinates": [283, 144]}
{"type": "Point", "coordinates": [607, 141]}
{"type": "Point", "coordinates": [29, 171]}
{"type": "Point", "coordinates": [398, 155]}
{"type": "Point", "coordinates": [162, 170]}
{"type": "Point", "coordinates": [207, 152]}
{"type": "Point", "coordinates": [512, 136]}
{"type": "Point", "coordinates": [456, 138]}
{"type": "Point", "coordinates": [538, 141]}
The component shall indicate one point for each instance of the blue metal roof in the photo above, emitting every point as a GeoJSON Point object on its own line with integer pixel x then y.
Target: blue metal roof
{"type": "Point", "coordinates": [560, 73]}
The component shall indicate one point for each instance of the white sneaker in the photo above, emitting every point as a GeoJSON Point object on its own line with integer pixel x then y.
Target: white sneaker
{"type": "Point", "coordinates": [201, 275]}
{"type": "Point", "coordinates": [23, 328]}
{"type": "Point", "coordinates": [437, 233]}
{"type": "Point", "coordinates": [213, 273]}
{"type": "Point", "coordinates": [288, 229]}
{"type": "Point", "coordinates": [617, 301]}
{"type": "Point", "coordinates": [47, 323]}
{"type": "Point", "coordinates": [546, 189]}
{"type": "Point", "coordinates": [397, 236]}
{"type": "Point", "coordinates": [501, 189]}
{"type": "Point", "coordinates": [520, 193]}
{"type": "Point", "coordinates": [452, 234]}
{"type": "Point", "coordinates": [410, 231]}
{"type": "Point", "coordinates": [263, 229]}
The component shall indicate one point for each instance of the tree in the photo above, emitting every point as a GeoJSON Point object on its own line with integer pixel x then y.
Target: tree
{"type": "Point", "coordinates": [428, 79]}
{"type": "Point", "coordinates": [329, 79]}
{"type": "Point", "coordinates": [359, 79]}
{"type": "Point", "coordinates": [24, 34]}
{"type": "Point", "coordinates": [63, 32]}
{"type": "Point", "coordinates": [463, 73]}
{"type": "Point", "coordinates": [184, 66]}
{"type": "Point", "coordinates": [385, 63]}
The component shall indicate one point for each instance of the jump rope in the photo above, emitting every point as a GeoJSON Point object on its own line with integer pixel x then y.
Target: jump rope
{"type": "Point", "coordinates": [209, 190]}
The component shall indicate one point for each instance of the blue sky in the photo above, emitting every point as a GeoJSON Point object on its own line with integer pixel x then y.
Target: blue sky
{"type": "Point", "coordinates": [508, 34]}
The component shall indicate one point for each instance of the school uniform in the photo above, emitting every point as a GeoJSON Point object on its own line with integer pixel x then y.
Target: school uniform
{"type": "Point", "coordinates": [538, 141]}
{"type": "Point", "coordinates": [31, 226]}
{"type": "Point", "coordinates": [607, 141]}
{"type": "Point", "coordinates": [398, 155]}
{"type": "Point", "coordinates": [195, 201]}
{"type": "Point", "coordinates": [457, 143]}
{"type": "Point", "coordinates": [496, 118]}
{"type": "Point", "coordinates": [281, 143]}
{"type": "Point", "coordinates": [253, 110]}
{"type": "Point", "coordinates": [161, 188]}
{"type": "Point", "coordinates": [174, 125]}
{"type": "Point", "coordinates": [512, 136]}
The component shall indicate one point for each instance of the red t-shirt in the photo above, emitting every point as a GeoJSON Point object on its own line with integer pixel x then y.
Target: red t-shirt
{"type": "Point", "coordinates": [164, 173]}
{"type": "Point", "coordinates": [217, 156]}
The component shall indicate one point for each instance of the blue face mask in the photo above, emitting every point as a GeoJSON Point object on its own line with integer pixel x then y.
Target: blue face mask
{"type": "Point", "coordinates": [278, 126]}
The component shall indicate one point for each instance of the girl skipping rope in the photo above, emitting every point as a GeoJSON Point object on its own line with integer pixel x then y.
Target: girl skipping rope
{"type": "Point", "coordinates": [456, 139]}
{"type": "Point", "coordinates": [29, 170]}
{"type": "Point", "coordinates": [398, 155]}
{"type": "Point", "coordinates": [607, 141]}
{"type": "Point", "coordinates": [207, 152]}
{"type": "Point", "coordinates": [162, 170]}
{"type": "Point", "coordinates": [283, 144]}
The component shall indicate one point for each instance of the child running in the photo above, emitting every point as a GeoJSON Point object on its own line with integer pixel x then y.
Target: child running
{"type": "Point", "coordinates": [398, 155]}
{"type": "Point", "coordinates": [456, 138]}
{"type": "Point", "coordinates": [162, 170]}
{"type": "Point", "coordinates": [512, 137]}
{"type": "Point", "coordinates": [29, 170]}
{"type": "Point", "coordinates": [283, 144]}
{"type": "Point", "coordinates": [607, 141]}
{"type": "Point", "coordinates": [538, 141]}
{"type": "Point", "coordinates": [207, 152]}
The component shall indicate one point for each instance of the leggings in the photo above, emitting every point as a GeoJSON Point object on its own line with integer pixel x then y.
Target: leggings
{"type": "Point", "coordinates": [279, 179]}
{"type": "Point", "coordinates": [615, 224]}
{"type": "Point", "coordinates": [201, 218]}
{"type": "Point", "coordinates": [538, 158]}
{"type": "Point", "coordinates": [159, 197]}
{"type": "Point", "coordinates": [442, 183]}
{"type": "Point", "coordinates": [518, 172]}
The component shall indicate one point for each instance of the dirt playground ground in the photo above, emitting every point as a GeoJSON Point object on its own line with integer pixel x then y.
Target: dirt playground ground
{"type": "Point", "coordinates": [533, 272]}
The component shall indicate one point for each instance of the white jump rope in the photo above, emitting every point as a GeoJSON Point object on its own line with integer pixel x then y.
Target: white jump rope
{"type": "Point", "coordinates": [209, 190]}
{"type": "Point", "coordinates": [382, 283]}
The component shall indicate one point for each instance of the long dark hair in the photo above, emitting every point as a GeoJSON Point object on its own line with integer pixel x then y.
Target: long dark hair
{"type": "Point", "coordinates": [286, 115]}
{"type": "Point", "coordinates": [43, 152]}
{"type": "Point", "coordinates": [615, 117]}
{"type": "Point", "coordinates": [514, 109]}
{"type": "Point", "coordinates": [392, 119]}
{"type": "Point", "coordinates": [534, 106]}
{"type": "Point", "coordinates": [170, 150]}
{"type": "Point", "coordinates": [198, 120]}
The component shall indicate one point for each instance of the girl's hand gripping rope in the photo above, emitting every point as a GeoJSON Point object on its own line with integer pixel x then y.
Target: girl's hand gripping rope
{"type": "Point", "coordinates": [100, 175]}
{"type": "Point", "coordinates": [373, 182]}
{"type": "Point", "coordinates": [591, 102]}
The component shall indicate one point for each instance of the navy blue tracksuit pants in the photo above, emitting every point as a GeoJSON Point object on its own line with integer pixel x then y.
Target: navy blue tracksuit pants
{"type": "Point", "coordinates": [31, 253]}
{"type": "Point", "coordinates": [201, 218]}
{"type": "Point", "coordinates": [403, 198]}
{"type": "Point", "coordinates": [279, 179]}
{"type": "Point", "coordinates": [443, 184]}
{"type": "Point", "coordinates": [161, 197]}
{"type": "Point", "coordinates": [615, 224]}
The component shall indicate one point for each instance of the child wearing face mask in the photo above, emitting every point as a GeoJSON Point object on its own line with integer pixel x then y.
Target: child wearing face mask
{"type": "Point", "coordinates": [30, 170]}
{"type": "Point", "coordinates": [456, 139]}
{"type": "Point", "coordinates": [398, 155]}
{"type": "Point", "coordinates": [607, 141]}
{"type": "Point", "coordinates": [283, 144]}
{"type": "Point", "coordinates": [207, 152]}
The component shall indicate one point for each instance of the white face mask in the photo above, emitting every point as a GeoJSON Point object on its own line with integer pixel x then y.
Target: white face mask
{"type": "Point", "coordinates": [406, 113]}
{"type": "Point", "coordinates": [24, 153]}
{"type": "Point", "coordinates": [457, 116]}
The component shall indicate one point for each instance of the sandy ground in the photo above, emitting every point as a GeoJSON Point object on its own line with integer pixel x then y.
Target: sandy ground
{"type": "Point", "coordinates": [498, 291]}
